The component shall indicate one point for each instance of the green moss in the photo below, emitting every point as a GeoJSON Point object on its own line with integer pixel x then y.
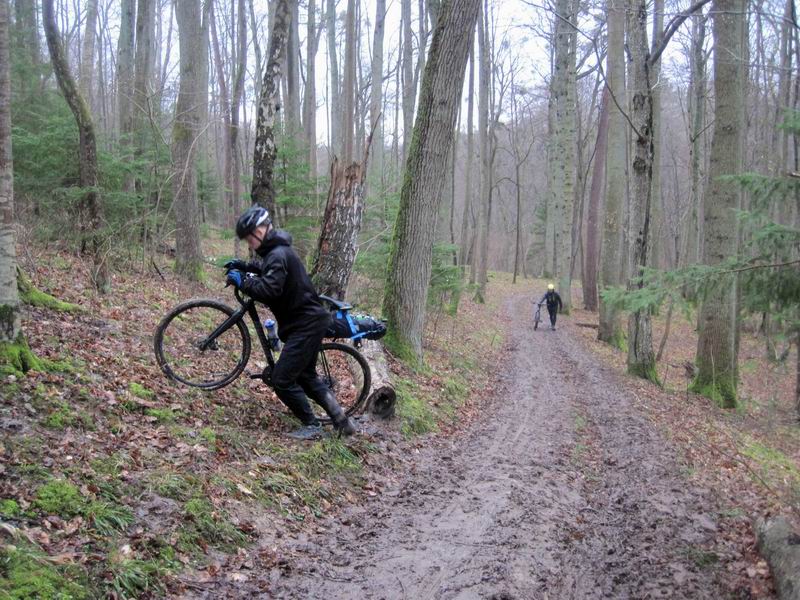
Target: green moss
{"type": "Point", "coordinates": [401, 349]}
{"type": "Point", "coordinates": [25, 573]}
{"type": "Point", "coordinates": [28, 294]}
{"type": "Point", "coordinates": [722, 390]}
{"type": "Point", "coordinates": [138, 390]}
{"type": "Point", "coordinates": [162, 415]}
{"type": "Point", "coordinates": [17, 358]}
{"type": "Point", "coordinates": [644, 371]}
{"type": "Point", "coordinates": [9, 508]}
{"type": "Point", "coordinates": [61, 418]}
{"type": "Point", "coordinates": [416, 415]}
{"type": "Point", "coordinates": [59, 497]}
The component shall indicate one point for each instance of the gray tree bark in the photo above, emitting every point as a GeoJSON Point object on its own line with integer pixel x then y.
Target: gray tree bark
{"type": "Point", "coordinates": [125, 49]}
{"type": "Point", "coordinates": [697, 95]}
{"type": "Point", "coordinates": [293, 72]}
{"type": "Point", "coordinates": [265, 151]}
{"type": "Point", "coordinates": [10, 328]}
{"type": "Point", "coordinates": [409, 89]}
{"type": "Point", "coordinates": [716, 346]}
{"type": "Point", "coordinates": [310, 95]}
{"type": "Point", "coordinates": [376, 91]}
{"type": "Point", "coordinates": [641, 358]}
{"type": "Point", "coordinates": [412, 243]}
{"type": "Point", "coordinates": [591, 262]}
{"type": "Point", "coordinates": [91, 208]}
{"type": "Point", "coordinates": [335, 96]}
{"type": "Point", "coordinates": [481, 257]}
{"type": "Point", "coordinates": [349, 85]}
{"type": "Point", "coordinates": [467, 225]}
{"type": "Point", "coordinates": [188, 254]}
{"type": "Point", "coordinates": [87, 52]}
{"type": "Point", "coordinates": [563, 192]}
{"type": "Point", "coordinates": [611, 256]}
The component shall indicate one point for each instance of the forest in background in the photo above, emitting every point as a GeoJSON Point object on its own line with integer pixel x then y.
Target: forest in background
{"type": "Point", "coordinates": [429, 159]}
{"type": "Point", "coordinates": [643, 154]}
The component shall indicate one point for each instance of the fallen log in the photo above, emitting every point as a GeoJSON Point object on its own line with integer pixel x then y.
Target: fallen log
{"type": "Point", "coordinates": [381, 401]}
{"type": "Point", "coordinates": [779, 544]}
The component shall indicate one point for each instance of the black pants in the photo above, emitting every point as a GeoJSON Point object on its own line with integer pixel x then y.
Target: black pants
{"type": "Point", "coordinates": [553, 312]}
{"type": "Point", "coordinates": [294, 377]}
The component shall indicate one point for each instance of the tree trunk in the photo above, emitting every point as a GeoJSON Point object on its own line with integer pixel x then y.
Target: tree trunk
{"type": "Point", "coordinates": [263, 188]}
{"type": "Point", "coordinates": [641, 358]}
{"type": "Point", "coordinates": [697, 94]}
{"type": "Point", "coordinates": [483, 204]}
{"type": "Point", "coordinates": [611, 256]}
{"type": "Point", "coordinates": [409, 90]}
{"type": "Point", "coordinates": [292, 101]}
{"type": "Point", "coordinates": [376, 92]}
{"type": "Point", "coordinates": [338, 240]}
{"type": "Point", "coordinates": [125, 48]}
{"type": "Point", "coordinates": [591, 261]}
{"type": "Point", "coordinates": [143, 67]}
{"type": "Point", "coordinates": [87, 52]}
{"type": "Point", "coordinates": [349, 84]}
{"type": "Point", "coordinates": [412, 243]}
{"type": "Point", "coordinates": [716, 345]}
{"type": "Point", "coordinates": [466, 233]}
{"type": "Point", "coordinates": [91, 209]}
{"type": "Point", "coordinates": [563, 193]}
{"type": "Point", "coordinates": [335, 97]}
{"type": "Point", "coordinates": [188, 255]}
{"type": "Point", "coordinates": [236, 101]}
{"type": "Point", "coordinates": [657, 215]}
{"type": "Point", "coordinates": [10, 327]}
{"type": "Point", "coordinates": [310, 95]}
{"type": "Point", "coordinates": [225, 110]}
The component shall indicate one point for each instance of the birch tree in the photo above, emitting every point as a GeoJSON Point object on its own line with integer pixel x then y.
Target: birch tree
{"type": "Point", "coordinates": [412, 244]}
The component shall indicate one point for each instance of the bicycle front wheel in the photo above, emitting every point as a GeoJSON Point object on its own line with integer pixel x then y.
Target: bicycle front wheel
{"type": "Point", "coordinates": [346, 372]}
{"type": "Point", "coordinates": [197, 344]}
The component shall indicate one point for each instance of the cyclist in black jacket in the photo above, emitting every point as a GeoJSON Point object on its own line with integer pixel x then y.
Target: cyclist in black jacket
{"type": "Point", "coordinates": [278, 278]}
{"type": "Point", "coordinates": [553, 304]}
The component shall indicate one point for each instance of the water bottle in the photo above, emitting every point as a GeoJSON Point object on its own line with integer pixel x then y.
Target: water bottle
{"type": "Point", "coordinates": [272, 334]}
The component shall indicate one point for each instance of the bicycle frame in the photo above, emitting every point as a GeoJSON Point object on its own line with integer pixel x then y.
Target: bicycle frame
{"type": "Point", "coordinates": [248, 307]}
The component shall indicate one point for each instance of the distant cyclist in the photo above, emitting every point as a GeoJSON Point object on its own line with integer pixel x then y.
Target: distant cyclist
{"type": "Point", "coordinates": [554, 304]}
{"type": "Point", "coordinates": [278, 279]}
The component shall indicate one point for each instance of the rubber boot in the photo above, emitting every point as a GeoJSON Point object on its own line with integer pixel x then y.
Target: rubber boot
{"type": "Point", "coordinates": [341, 422]}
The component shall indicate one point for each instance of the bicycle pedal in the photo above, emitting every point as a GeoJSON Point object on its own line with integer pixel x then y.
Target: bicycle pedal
{"type": "Point", "coordinates": [254, 375]}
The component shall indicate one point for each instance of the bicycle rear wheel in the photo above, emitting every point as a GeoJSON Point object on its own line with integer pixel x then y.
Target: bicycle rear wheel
{"type": "Point", "coordinates": [188, 352]}
{"type": "Point", "coordinates": [346, 372]}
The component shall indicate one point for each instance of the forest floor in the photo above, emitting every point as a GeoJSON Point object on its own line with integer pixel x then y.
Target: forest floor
{"type": "Point", "coordinates": [522, 464]}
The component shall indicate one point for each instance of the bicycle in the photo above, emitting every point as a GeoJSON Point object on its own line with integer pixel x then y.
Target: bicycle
{"type": "Point", "coordinates": [537, 316]}
{"type": "Point", "coordinates": [206, 344]}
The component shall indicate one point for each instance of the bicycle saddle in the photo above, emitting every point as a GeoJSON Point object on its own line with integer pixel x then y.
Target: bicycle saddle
{"type": "Point", "coordinates": [337, 303]}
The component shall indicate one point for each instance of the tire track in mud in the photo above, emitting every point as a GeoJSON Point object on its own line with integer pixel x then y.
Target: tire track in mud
{"type": "Point", "coordinates": [510, 510]}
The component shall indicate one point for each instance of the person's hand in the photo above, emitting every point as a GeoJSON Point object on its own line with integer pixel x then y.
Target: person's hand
{"type": "Point", "coordinates": [236, 263]}
{"type": "Point", "coordinates": [234, 277]}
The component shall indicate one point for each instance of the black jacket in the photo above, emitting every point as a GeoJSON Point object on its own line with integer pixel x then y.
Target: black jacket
{"type": "Point", "coordinates": [553, 300]}
{"type": "Point", "coordinates": [281, 282]}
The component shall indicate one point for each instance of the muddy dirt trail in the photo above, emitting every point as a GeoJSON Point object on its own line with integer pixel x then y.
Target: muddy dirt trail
{"type": "Point", "coordinates": [562, 490]}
